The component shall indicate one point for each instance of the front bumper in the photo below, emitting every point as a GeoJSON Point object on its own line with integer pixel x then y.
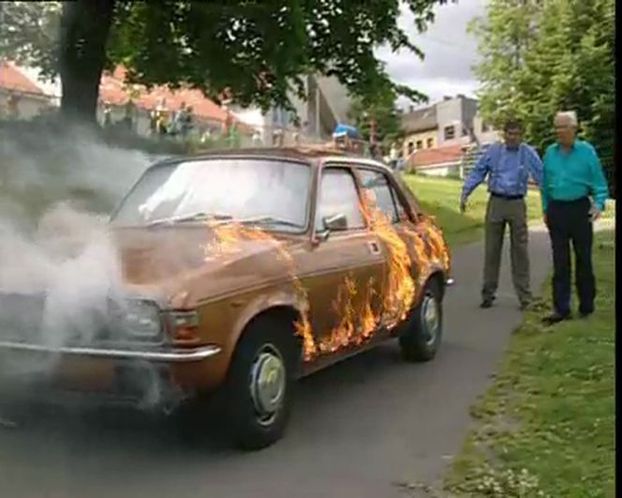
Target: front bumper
{"type": "Point", "coordinates": [154, 355]}
{"type": "Point", "coordinates": [148, 378]}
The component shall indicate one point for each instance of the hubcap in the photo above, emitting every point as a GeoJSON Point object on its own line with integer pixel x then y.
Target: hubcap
{"type": "Point", "coordinates": [267, 383]}
{"type": "Point", "coordinates": [430, 318]}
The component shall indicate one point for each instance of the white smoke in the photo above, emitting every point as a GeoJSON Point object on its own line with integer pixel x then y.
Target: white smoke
{"type": "Point", "coordinates": [58, 265]}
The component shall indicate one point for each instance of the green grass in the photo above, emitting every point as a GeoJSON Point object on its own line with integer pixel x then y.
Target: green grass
{"type": "Point", "coordinates": [440, 197]}
{"type": "Point", "coordinates": [546, 426]}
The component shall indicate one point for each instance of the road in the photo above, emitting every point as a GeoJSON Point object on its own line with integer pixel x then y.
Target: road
{"type": "Point", "coordinates": [358, 429]}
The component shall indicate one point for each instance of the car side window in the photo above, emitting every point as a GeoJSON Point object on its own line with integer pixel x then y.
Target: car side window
{"type": "Point", "coordinates": [386, 197]}
{"type": "Point", "coordinates": [338, 195]}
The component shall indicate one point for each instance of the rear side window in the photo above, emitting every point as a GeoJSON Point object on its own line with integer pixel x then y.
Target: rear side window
{"type": "Point", "coordinates": [338, 195]}
{"type": "Point", "coordinates": [385, 195]}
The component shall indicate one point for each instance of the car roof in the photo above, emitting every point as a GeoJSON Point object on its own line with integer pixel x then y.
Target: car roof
{"type": "Point", "coordinates": [308, 154]}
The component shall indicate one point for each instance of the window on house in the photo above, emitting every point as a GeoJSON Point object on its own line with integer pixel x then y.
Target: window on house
{"type": "Point", "coordinates": [419, 144]}
{"type": "Point", "coordinates": [449, 132]}
{"type": "Point", "coordinates": [411, 148]}
{"type": "Point", "coordinates": [430, 143]}
{"type": "Point", "coordinates": [465, 132]}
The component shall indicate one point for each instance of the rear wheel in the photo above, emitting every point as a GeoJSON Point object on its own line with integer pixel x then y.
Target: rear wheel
{"type": "Point", "coordinates": [421, 336]}
{"type": "Point", "coordinates": [260, 384]}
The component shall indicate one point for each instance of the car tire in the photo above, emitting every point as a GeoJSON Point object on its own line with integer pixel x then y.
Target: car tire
{"type": "Point", "coordinates": [260, 384]}
{"type": "Point", "coordinates": [421, 336]}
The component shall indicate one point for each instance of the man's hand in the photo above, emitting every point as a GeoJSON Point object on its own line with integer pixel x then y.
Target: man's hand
{"type": "Point", "coordinates": [594, 213]}
{"type": "Point", "coordinates": [462, 205]}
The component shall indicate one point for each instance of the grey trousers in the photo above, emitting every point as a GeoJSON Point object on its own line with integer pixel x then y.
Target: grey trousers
{"type": "Point", "coordinates": [499, 213]}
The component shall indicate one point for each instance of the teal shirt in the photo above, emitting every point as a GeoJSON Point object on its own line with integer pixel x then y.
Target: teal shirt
{"type": "Point", "coordinates": [573, 174]}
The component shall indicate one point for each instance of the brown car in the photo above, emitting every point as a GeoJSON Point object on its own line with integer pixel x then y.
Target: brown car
{"type": "Point", "coordinates": [245, 270]}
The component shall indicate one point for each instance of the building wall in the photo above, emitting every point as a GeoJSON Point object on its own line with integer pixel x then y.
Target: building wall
{"type": "Point", "coordinates": [483, 132]}
{"type": "Point", "coordinates": [327, 104]}
{"type": "Point", "coordinates": [424, 137]}
{"type": "Point", "coordinates": [28, 106]}
{"type": "Point", "coordinates": [458, 113]}
{"type": "Point", "coordinates": [336, 96]}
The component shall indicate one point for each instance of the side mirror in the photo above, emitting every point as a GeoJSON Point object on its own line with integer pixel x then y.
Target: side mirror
{"type": "Point", "coordinates": [335, 222]}
{"type": "Point", "coordinates": [332, 224]}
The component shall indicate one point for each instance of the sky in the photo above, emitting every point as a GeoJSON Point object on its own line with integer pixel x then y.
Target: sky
{"type": "Point", "coordinates": [450, 53]}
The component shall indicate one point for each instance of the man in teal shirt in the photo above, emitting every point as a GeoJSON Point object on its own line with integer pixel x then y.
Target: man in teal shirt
{"type": "Point", "coordinates": [574, 191]}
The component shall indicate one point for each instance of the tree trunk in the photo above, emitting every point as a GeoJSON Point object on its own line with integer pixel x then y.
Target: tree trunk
{"type": "Point", "coordinates": [85, 25]}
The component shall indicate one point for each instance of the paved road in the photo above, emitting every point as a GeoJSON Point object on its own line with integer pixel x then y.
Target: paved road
{"type": "Point", "coordinates": [358, 428]}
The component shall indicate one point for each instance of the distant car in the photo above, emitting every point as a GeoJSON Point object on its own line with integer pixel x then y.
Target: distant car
{"type": "Point", "coordinates": [245, 270]}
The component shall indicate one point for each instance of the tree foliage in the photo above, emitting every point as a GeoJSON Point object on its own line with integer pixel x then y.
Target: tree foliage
{"type": "Point", "coordinates": [255, 51]}
{"type": "Point", "coordinates": [382, 112]}
{"type": "Point", "coordinates": [542, 56]}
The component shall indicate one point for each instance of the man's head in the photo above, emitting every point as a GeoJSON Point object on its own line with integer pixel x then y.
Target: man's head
{"type": "Point", "coordinates": [513, 133]}
{"type": "Point", "coordinates": [566, 127]}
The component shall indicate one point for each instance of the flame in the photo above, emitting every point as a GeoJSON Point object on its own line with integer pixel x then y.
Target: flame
{"type": "Point", "coordinates": [407, 269]}
{"type": "Point", "coordinates": [369, 319]}
{"type": "Point", "coordinates": [226, 241]}
{"type": "Point", "coordinates": [399, 288]}
{"type": "Point", "coordinates": [342, 334]}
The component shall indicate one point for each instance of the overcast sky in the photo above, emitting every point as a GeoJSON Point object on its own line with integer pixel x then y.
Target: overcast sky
{"type": "Point", "coordinates": [450, 52]}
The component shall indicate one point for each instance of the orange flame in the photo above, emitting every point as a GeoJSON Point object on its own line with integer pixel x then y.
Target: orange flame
{"type": "Point", "coordinates": [407, 266]}
{"type": "Point", "coordinates": [227, 238]}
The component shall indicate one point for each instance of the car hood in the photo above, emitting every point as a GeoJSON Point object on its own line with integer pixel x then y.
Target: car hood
{"type": "Point", "coordinates": [183, 265]}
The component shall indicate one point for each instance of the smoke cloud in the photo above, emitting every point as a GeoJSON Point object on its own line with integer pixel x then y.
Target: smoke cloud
{"type": "Point", "coordinates": [58, 265]}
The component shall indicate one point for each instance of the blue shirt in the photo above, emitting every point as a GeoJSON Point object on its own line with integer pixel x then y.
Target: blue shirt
{"type": "Point", "coordinates": [570, 175]}
{"type": "Point", "coordinates": [508, 170]}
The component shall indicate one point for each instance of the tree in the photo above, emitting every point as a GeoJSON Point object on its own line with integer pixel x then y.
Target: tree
{"type": "Point", "coordinates": [382, 110]}
{"type": "Point", "coordinates": [540, 57]}
{"type": "Point", "coordinates": [505, 36]}
{"type": "Point", "coordinates": [256, 51]}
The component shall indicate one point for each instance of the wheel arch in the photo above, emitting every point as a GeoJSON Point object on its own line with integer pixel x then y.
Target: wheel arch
{"type": "Point", "coordinates": [279, 313]}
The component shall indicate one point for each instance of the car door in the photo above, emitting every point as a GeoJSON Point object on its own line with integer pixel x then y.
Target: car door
{"type": "Point", "coordinates": [347, 265]}
{"type": "Point", "coordinates": [401, 242]}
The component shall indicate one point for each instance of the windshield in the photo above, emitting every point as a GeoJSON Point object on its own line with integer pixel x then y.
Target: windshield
{"type": "Point", "coordinates": [273, 193]}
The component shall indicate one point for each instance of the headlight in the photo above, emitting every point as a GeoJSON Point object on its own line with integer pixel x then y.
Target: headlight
{"type": "Point", "coordinates": [138, 318]}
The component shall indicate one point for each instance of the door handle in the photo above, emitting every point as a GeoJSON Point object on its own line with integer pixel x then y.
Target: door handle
{"type": "Point", "coordinates": [374, 247]}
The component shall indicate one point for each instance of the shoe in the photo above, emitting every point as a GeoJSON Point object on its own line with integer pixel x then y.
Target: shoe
{"type": "Point", "coordinates": [487, 302]}
{"type": "Point", "coordinates": [585, 314]}
{"type": "Point", "coordinates": [554, 318]}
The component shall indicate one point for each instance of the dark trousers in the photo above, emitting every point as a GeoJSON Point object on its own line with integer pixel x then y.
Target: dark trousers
{"type": "Point", "coordinates": [569, 222]}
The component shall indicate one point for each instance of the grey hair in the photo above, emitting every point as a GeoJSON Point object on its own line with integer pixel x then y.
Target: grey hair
{"type": "Point", "coordinates": [570, 116]}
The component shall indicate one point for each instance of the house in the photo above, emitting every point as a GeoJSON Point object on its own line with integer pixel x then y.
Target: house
{"type": "Point", "coordinates": [117, 94]}
{"type": "Point", "coordinates": [420, 130]}
{"type": "Point", "coordinates": [326, 104]}
{"type": "Point", "coordinates": [443, 123]}
{"type": "Point", "coordinates": [20, 97]}
{"type": "Point", "coordinates": [483, 131]}
{"type": "Point", "coordinates": [439, 161]}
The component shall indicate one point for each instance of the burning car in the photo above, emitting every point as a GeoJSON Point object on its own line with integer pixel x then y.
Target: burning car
{"type": "Point", "coordinates": [242, 271]}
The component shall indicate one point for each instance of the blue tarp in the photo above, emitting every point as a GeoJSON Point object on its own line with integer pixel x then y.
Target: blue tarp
{"type": "Point", "coordinates": [346, 130]}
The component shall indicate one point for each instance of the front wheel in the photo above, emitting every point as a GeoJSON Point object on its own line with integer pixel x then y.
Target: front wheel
{"type": "Point", "coordinates": [260, 384]}
{"type": "Point", "coordinates": [422, 333]}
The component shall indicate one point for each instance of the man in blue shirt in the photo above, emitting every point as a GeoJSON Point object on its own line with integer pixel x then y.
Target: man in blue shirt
{"type": "Point", "coordinates": [572, 174]}
{"type": "Point", "coordinates": [508, 166]}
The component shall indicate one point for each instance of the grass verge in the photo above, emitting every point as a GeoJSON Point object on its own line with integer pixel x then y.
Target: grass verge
{"type": "Point", "coordinates": [546, 426]}
{"type": "Point", "coordinates": [441, 198]}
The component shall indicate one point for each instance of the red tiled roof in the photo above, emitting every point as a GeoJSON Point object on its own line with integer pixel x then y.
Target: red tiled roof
{"type": "Point", "coordinates": [12, 78]}
{"type": "Point", "coordinates": [423, 158]}
{"type": "Point", "coordinates": [112, 90]}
